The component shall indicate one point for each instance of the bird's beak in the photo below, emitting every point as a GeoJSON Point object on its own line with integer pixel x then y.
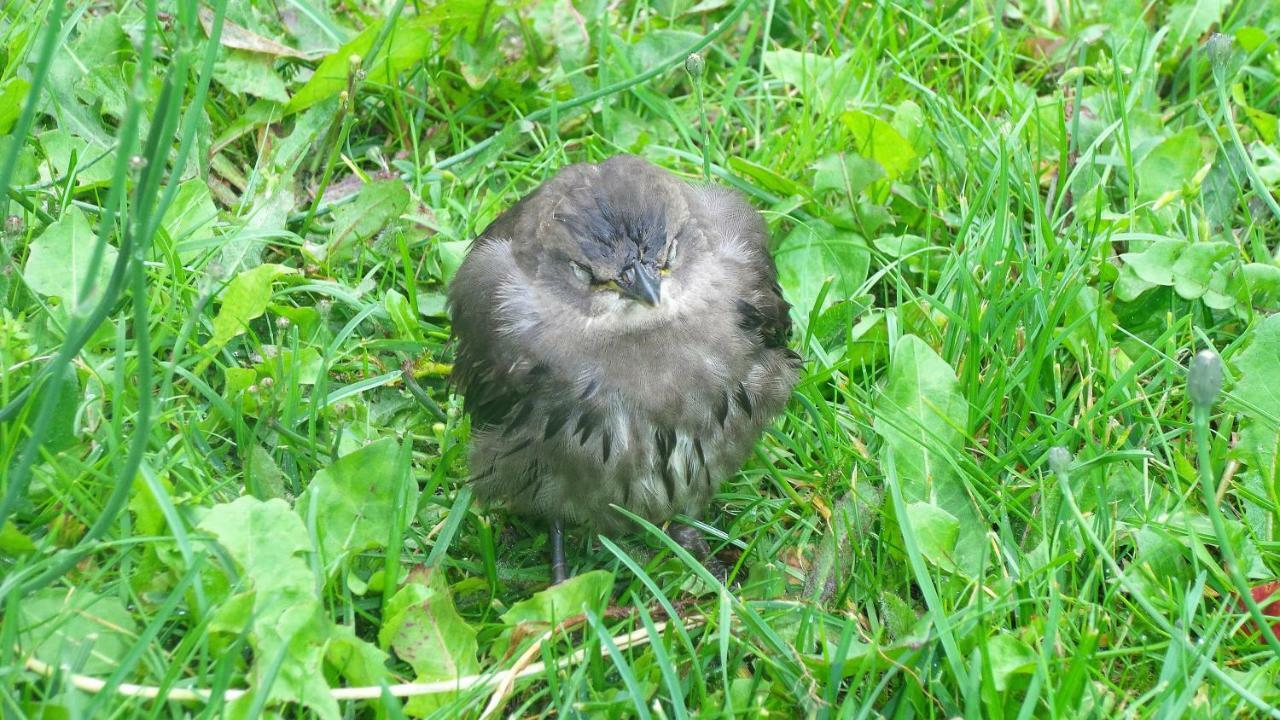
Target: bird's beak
{"type": "Point", "coordinates": [642, 284]}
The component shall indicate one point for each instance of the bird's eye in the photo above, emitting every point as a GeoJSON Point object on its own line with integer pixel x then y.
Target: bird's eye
{"type": "Point", "coordinates": [580, 271]}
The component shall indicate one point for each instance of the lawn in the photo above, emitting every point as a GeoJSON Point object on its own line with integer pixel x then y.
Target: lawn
{"type": "Point", "coordinates": [234, 465]}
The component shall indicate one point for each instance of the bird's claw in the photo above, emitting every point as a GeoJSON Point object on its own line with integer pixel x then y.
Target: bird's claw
{"type": "Point", "coordinates": [689, 538]}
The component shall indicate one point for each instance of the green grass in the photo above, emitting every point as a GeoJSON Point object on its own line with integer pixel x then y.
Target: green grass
{"type": "Point", "coordinates": [1006, 227]}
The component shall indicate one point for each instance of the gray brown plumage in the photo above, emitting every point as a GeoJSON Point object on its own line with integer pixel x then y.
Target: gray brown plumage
{"type": "Point", "coordinates": [621, 340]}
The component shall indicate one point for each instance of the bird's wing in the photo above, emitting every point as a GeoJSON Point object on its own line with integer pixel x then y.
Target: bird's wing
{"type": "Point", "coordinates": [493, 373]}
{"type": "Point", "coordinates": [762, 309]}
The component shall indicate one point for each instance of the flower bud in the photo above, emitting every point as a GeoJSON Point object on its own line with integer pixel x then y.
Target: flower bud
{"type": "Point", "coordinates": [694, 65]}
{"type": "Point", "coordinates": [1219, 48]}
{"type": "Point", "coordinates": [1204, 378]}
{"type": "Point", "coordinates": [1059, 459]}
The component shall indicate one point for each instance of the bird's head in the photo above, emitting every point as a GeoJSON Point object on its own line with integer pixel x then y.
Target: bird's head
{"type": "Point", "coordinates": [618, 239]}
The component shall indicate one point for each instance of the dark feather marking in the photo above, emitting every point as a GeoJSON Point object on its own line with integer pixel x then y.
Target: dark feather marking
{"type": "Point", "coordinates": [666, 439]}
{"type": "Point", "coordinates": [750, 317]}
{"type": "Point", "coordinates": [526, 410]}
{"type": "Point", "coordinates": [669, 483]}
{"type": "Point", "coordinates": [590, 389]}
{"type": "Point", "coordinates": [517, 448]}
{"type": "Point", "coordinates": [722, 409]}
{"type": "Point", "coordinates": [743, 398]}
{"type": "Point", "coordinates": [606, 444]}
{"type": "Point", "coordinates": [532, 478]}
{"type": "Point", "coordinates": [588, 421]}
{"type": "Point", "coordinates": [556, 420]}
{"type": "Point", "coordinates": [697, 448]}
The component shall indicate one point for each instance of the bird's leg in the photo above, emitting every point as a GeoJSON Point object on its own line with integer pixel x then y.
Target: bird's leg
{"type": "Point", "coordinates": [688, 537]}
{"type": "Point", "coordinates": [559, 571]}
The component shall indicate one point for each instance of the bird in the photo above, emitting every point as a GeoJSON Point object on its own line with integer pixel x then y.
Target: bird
{"type": "Point", "coordinates": [621, 340]}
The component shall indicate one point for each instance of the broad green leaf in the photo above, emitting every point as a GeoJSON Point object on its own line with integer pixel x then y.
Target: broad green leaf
{"type": "Point", "coordinates": [402, 316]}
{"type": "Point", "coordinates": [1126, 28]}
{"type": "Point", "coordinates": [452, 253]}
{"type": "Point", "coordinates": [246, 73]}
{"type": "Point", "coordinates": [357, 498]}
{"type": "Point", "coordinates": [14, 542]}
{"type": "Point", "coordinates": [1155, 264]}
{"type": "Point", "coordinates": [914, 249]}
{"type": "Point", "coordinates": [1129, 286]}
{"type": "Point", "coordinates": [1192, 271]}
{"type": "Point", "coordinates": [899, 618]}
{"type": "Point", "coordinates": [922, 417]}
{"type": "Point", "coordinates": [1251, 37]}
{"type": "Point", "coordinates": [266, 219]}
{"type": "Point", "coordinates": [377, 204]}
{"type": "Point", "coordinates": [820, 79]}
{"type": "Point", "coordinates": [810, 255]}
{"type": "Point", "coordinates": [276, 602]}
{"type": "Point", "coordinates": [425, 630]}
{"type": "Point", "coordinates": [1258, 391]}
{"type": "Point", "coordinates": [61, 260]}
{"type": "Point", "coordinates": [554, 605]}
{"type": "Point", "coordinates": [238, 379]}
{"type": "Point", "coordinates": [358, 660]}
{"type": "Point", "coordinates": [263, 475]}
{"type": "Point", "coordinates": [909, 121]}
{"type": "Point", "coordinates": [1008, 656]}
{"type": "Point", "coordinates": [408, 42]}
{"type": "Point", "coordinates": [244, 299]}
{"type": "Point", "coordinates": [768, 178]}
{"type": "Point", "coordinates": [846, 173]}
{"type": "Point", "coordinates": [433, 304]}
{"type": "Point", "coordinates": [266, 539]}
{"type": "Point", "coordinates": [936, 532]}
{"type": "Point", "coordinates": [90, 69]}
{"type": "Point", "coordinates": [832, 563]}
{"type": "Point", "coordinates": [562, 31]}
{"type": "Point", "coordinates": [62, 430]}
{"type": "Point", "coordinates": [657, 45]}
{"type": "Point", "coordinates": [78, 136]}
{"type": "Point", "coordinates": [301, 368]}
{"type": "Point", "coordinates": [148, 516]}
{"type": "Point", "coordinates": [189, 220]}
{"type": "Point", "coordinates": [13, 93]}
{"type": "Point", "coordinates": [1263, 281]}
{"type": "Point", "coordinates": [1189, 20]}
{"type": "Point", "coordinates": [59, 626]}
{"type": "Point", "coordinates": [876, 139]}
{"type": "Point", "coordinates": [1169, 165]}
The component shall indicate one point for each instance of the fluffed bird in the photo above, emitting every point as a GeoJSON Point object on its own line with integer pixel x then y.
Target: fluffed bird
{"type": "Point", "coordinates": [621, 340]}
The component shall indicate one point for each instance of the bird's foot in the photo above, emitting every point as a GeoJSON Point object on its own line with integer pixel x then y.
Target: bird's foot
{"type": "Point", "coordinates": [689, 538]}
{"type": "Point", "coordinates": [559, 570]}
